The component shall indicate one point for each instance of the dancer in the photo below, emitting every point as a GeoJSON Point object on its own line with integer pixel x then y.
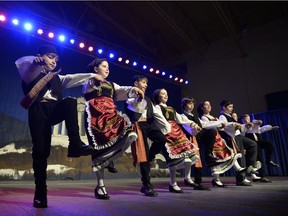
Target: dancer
{"type": "Point", "coordinates": [226, 157]}
{"type": "Point", "coordinates": [47, 107]}
{"type": "Point", "coordinates": [108, 131]}
{"type": "Point", "coordinates": [204, 137]}
{"type": "Point", "coordinates": [180, 151]}
{"type": "Point", "coordinates": [240, 141]}
{"type": "Point", "coordinates": [254, 133]}
{"type": "Point", "coordinates": [142, 115]}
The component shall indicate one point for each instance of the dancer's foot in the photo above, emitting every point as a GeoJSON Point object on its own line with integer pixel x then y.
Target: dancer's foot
{"type": "Point", "coordinates": [175, 189]}
{"type": "Point", "coordinates": [273, 164]}
{"type": "Point", "coordinates": [148, 190]}
{"type": "Point", "coordinates": [40, 199]}
{"type": "Point", "coordinates": [190, 183]}
{"type": "Point", "coordinates": [79, 149]}
{"type": "Point", "coordinates": [111, 168]}
{"type": "Point", "coordinates": [218, 183]}
{"type": "Point", "coordinates": [100, 193]}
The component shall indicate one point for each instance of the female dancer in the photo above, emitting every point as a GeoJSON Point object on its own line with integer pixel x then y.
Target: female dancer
{"type": "Point", "coordinates": [108, 131]}
{"type": "Point", "coordinates": [179, 152]}
{"type": "Point", "coordinates": [226, 157]}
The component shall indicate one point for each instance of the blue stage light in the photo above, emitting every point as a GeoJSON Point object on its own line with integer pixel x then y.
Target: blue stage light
{"type": "Point", "coordinates": [72, 41]}
{"type": "Point", "coordinates": [144, 67]}
{"type": "Point", "coordinates": [111, 55]}
{"type": "Point", "coordinates": [170, 76]}
{"type": "Point", "coordinates": [186, 82]}
{"type": "Point", "coordinates": [28, 26]}
{"type": "Point", "coordinates": [15, 21]}
{"type": "Point", "coordinates": [62, 38]}
{"type": "Point", "coordinates": [134, 63]}
{"type": "Point", "coordinates": [100, 51]}
{"type": "Point", "coordinates": [163, 73]}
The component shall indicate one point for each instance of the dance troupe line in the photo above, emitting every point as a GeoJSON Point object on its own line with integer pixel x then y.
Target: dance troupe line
{"type": "Point", "coordinates": [178, 137]}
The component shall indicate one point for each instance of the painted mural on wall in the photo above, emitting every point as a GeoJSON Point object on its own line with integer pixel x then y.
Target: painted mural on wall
{"type": "Point", "coordinates": [16, 161]}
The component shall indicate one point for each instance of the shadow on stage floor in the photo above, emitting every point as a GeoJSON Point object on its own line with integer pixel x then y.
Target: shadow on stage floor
{"type": "Point", "coordinates": [76, 197]}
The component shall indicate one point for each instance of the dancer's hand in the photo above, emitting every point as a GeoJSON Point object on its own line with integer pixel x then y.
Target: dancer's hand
{"type": "Point", "coordinates": [197, 128]}
{"type": "Point", "coordinates": [139, 93]}
{"type": "Point", "coordinates": [39, 61]}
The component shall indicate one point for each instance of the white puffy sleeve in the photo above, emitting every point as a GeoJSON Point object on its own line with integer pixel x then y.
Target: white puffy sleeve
{"type": "Point", "coordinates": [73, 80]}
{"type": "Point", "coordinates": [123, 92]}
{"type": "Point", "coordinates": [27, 71]}
{"type": "Point", "coordinates": [160, 120]}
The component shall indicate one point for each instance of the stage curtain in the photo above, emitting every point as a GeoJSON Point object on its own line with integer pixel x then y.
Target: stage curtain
{"type": "Point", "coordinates": [278, 137]}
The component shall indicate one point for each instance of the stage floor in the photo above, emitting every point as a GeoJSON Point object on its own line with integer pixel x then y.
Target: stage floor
{"type": "Point", "coordinates": [76, 197]}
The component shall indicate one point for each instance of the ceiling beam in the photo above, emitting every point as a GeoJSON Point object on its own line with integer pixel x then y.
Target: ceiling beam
{"type": "Point", "coordinates": [119, 27]}
{"type": "Point", "coordinates": [229, 26]}
{"type": "Point", "coordinates": [176, 28]}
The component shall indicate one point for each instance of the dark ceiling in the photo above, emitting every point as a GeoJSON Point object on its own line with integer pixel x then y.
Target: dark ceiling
{"type": "Point", "coordinates": [159, 30]}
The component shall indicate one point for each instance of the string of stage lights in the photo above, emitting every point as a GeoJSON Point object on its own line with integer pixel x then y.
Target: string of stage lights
{"type": "Point", "coordinates": [46, 33]}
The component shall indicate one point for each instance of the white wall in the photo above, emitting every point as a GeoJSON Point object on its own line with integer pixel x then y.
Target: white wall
{"type": "Point", "coordinates": [221, 72]}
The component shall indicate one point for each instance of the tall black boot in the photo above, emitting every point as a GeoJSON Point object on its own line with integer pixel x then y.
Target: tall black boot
{"type": "Point", "coordinates": [40, 175]}
{"type": "Point", "coordinates": [76, 147]}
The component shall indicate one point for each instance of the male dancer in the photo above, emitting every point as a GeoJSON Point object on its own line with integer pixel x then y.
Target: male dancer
{"type": "Point", "coordinates": [142, 114]}
{"type": "Point", "coordinates": [47, 108]}
{"type": "Point", "coordinates": [242, 142]}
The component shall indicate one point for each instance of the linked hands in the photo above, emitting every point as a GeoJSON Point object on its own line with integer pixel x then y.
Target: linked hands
{"type": "Point", "coordinates": [138, 92]}
{"type": "Point", "coordinates": [39, 61]}
{"type": "Point", "coordinates": [249, 125]}
{"type": "Point", "coordinates": [197, 127]}
{"type": "Point", "coordinates": [237, 125]}
{"type": "Point", "coordinates": [223, 125]}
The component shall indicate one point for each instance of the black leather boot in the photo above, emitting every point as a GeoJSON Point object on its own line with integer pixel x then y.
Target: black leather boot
{"type": "Point", "coordinates": [40, 199]}
{"type": "Point", "coordinates": [76, 147]}
{"type": "Point", "coordinates": [40, 175]}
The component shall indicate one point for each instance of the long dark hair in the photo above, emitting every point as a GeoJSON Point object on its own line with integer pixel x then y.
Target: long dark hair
{"type": "Point", "coordinates": [95, 63]}
{"type": "Point", "coordinates": [199, 109]}
{"type": "Point", "coordinates": [155, 96]}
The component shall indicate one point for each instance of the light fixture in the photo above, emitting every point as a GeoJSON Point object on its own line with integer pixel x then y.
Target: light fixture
{"type": "Point", "coordinates": [41, 29]}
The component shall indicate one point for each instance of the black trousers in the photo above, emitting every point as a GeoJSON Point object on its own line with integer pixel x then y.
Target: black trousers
{"type": "Point", "coordinates": [250, 157]}
{"type": "Point", "coordinates": [206, 140]}
{"type": "Point", "coordinates": [158, 144]}
{"type": "Point", "coordinates": [269, 147]}
{"type": "Point", "coordinates": [41, 116]}
{"type": "Point", "coordinates": [243, 143]}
